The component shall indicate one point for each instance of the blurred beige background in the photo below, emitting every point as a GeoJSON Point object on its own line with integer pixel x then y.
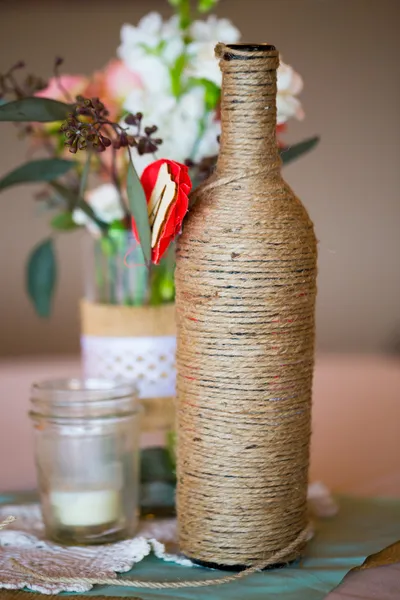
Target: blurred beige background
{"type": "Point", "coordinates": [347, 52]}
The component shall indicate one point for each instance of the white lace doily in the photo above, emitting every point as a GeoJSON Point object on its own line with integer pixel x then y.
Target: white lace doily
{"type": "Point", "coordinates": [23, 543]}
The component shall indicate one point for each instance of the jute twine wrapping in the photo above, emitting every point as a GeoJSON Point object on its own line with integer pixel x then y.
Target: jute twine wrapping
{"type": "Point", "coordinates": [126, 321]}
{"type": "Point", "coordinates": [246, 286]}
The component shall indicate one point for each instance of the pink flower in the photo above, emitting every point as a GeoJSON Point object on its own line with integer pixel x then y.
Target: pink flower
{"type": "Point", "coordinates": [120, 81]}
{"type": "Point", "coordinates": [73, 84]}
{"type": "Point", "coordinates": [112, 85]}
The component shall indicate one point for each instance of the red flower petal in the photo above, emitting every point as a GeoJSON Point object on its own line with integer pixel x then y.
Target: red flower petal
{"type": "Point", "coordinates": [180, 175]}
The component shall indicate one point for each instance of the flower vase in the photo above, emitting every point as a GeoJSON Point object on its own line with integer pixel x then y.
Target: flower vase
{"type": "Point", "coordinates": [128, 331]}
{"type": "Point", "coordinates": [245, 299]}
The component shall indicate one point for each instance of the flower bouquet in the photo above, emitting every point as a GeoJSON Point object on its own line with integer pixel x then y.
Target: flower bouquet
{"type": "Point", "coordinates": [118, 154]}
{"type": "Point", "coordinates": [159, 99]}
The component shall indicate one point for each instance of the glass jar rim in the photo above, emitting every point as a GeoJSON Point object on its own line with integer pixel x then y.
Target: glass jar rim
{"type": "Point", "coordinates": [84, 390]}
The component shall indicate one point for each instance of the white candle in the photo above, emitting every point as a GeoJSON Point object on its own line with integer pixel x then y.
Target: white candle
{"type": "Point", "coordinates": [85, 509]}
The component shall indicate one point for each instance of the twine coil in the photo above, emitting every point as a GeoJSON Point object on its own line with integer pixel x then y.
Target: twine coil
{"type": "Point", "coordinates": [246, 286]}
{"type": "Point", "coordinates": [160, 585]}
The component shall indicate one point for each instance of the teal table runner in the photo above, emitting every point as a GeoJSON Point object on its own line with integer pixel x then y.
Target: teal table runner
{"type": "Point", "coordinates": [362, 527]}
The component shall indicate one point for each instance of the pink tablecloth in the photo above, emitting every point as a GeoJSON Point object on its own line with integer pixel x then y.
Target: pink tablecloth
{"type": "Point", "coordinates": [356, 421]}
{"type": "Point", "coordinates": [355, 446]}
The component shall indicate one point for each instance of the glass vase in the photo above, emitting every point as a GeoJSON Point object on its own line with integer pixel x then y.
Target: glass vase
{"type": "Point", "coordinates": [116, 273]}
{"type": "Point", "coordinates": [128, 330]}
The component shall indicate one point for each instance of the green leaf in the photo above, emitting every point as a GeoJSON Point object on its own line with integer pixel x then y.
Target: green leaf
{"type": "Point", "coordinates": [182, 8]}
{"type": "Point", "coordinates": [290, 153]}
{"type": "Point", "coordinates": [39, 110]}
{"type": "Point", "coordinates": [41, 276]}
{"type": "Point", "coordinates": [162, 285]}
{"type": "Point", "coordinates": [63, 222]}
{"type": "Point", "coordinates": [156, 465]}
{"type": "Point", "coordinates": [138, 206]}
{"type": "Point", "coordinates": [206, 5]}
{"type": "Point", "coordinates": [70, 197]}
{"type": "Point", "coordinates": [212, 91]}
{"type": "Point", "coordinates": [157, 481]}
{"type": "Point", "coordinates": [73, 200]}
{"type": "Point", "coordinates": [117, 226]}
{"type": "Point", "coordinates": [157, 498]}
{"type": "Point", "coordinates": [176, 75]}
{"type": "Point", "coordinates": [45, 169]}
{"type": "Point", "coordinates": [108, 246]}
{"type": "Point", "coordinates": [171, 447]}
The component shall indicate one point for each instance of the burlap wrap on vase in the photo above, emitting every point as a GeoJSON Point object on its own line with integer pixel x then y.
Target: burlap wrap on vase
{"type": "Point", "coordinates": [246, 287]}
{"type": "Point", "coordinates": [135, 343]}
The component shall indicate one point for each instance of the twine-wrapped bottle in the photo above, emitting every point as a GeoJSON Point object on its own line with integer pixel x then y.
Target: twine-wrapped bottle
{"type": "Point", "coordinates": [246, 286]}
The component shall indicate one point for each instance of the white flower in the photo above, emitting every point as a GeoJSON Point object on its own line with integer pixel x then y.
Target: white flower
{"type": "Point", "coordinates": [214, 30]}
{"type": "Point", "coordinates": [203, 64]}
{"type": "Point", "coordinates": [189, 132]}
{"type": "Point", "coordinates": [178, 121]}
{"type": "Point", "coordinates": [151, 48]}
{"type": "Point", "coordinates": [151, 34]}
{"type": "Point", "coordinates": [191, 105]}
{"type": "Point", "coordinates": [289, 85]}
{"type": "Point", "coordinates": [104, 200]}
{"type": "Point", "coordinates": [154, 75]}
{"type": "Point", "coordinates": [188, 129]}
{"type": "Point", "coordinates": [206, 34]}
{"type": "Point", "coordinates": [208, 144]}
{"type": "Point", "coordinates": [151, 105]}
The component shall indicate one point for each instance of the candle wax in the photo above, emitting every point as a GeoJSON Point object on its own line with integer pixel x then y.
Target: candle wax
{"type": "Point", "coordinates": [86, 508]}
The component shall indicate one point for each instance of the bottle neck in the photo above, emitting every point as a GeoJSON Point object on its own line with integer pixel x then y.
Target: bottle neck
{"type": "Point", "coordinates": [248, 109]}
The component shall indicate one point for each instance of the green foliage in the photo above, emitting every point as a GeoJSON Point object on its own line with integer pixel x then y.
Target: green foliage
{"type": "Point", "coordinates": [45, 169]}
{"type": "Point", "coordinates": [63, 222]}
{"type": "Point", "coordinates": [70, 197]}
{"type": "Point", "coordinates": [113, 244]}
{"type": "Point", "coordinates": [171, 447]}
{"type": "Point", "coordinates": [138, 207]}
{"type": "Point", "coordinates": [73, 200]}
{"type": "Point", "coordinates": [158, 481]}
{"type": "Point", "coordinates": [212, 91]}
{"type": "Point", "coordinates": [182, 8]}
{"type": "Point", "coordinates": [176, 75]}
{"type": "Point", "coordinates": [205, 6]}
{"type": "Point", "coordinates": [41, 276]}
{"type": "Point", "coordinates": [162, 285]}
{"type": "Point", "coordinates": [290, 153]}
{"type": "Point", "coordinates": [156, 465]}
{"type": "Point", "coordinates": [34, 110]}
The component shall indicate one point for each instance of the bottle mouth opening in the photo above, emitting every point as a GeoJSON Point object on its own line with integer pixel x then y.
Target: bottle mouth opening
{"type": "Point", "coordinates": [252, 47]}
{"type": "Point", "coordinates": [239, 51]}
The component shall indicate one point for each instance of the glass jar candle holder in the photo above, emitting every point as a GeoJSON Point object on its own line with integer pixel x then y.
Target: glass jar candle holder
{"type": "Point", "coordinates": [87, 458]}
